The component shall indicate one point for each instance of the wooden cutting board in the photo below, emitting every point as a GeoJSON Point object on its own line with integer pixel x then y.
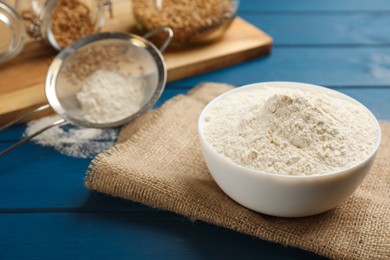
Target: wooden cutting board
{"type": "Point", "coordinates": [22, 79]}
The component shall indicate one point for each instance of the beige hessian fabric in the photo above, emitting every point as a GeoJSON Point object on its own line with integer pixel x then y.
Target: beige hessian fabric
{"type": "Point", "coordinates": [159, 163]}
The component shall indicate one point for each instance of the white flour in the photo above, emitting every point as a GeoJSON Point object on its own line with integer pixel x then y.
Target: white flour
{"type": "Point", "coordinates": [291, 132]}
{"type": "Point", "coordinates": [108, 96]}
{"type": "Point", "coordinates": [104, 97]}
{"type": "Point", "coordinates": [72, 140]}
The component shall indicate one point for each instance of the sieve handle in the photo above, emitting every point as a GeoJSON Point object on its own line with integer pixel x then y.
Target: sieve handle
{"type": "Point", "coordinates": [58, 122]}
{"type": "Point", "coordinates": [17, 120]}
{"type": "Point", "coordinates": [169, 32]}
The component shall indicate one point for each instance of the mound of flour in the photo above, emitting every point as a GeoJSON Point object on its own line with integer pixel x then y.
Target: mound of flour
{"type": "Point", "coordinates": [291, 132]}
{"type": "Point", "coordinates": [107, 96]}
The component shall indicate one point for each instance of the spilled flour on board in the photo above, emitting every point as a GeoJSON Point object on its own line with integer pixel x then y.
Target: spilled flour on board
{"type": "Point", "coordinates": [70, 139]}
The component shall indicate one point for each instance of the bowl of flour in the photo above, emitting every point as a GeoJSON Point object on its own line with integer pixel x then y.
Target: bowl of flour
{"type": "Point", "coordinates": [288, 149]}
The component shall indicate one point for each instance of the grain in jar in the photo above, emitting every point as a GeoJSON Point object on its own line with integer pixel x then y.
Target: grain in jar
{"type": "Point", "coordinates": [193, 22]}
{"type": "Point", "coordinates": [61, 22]}
{"type": "Point", "coordinates": [71, 20]}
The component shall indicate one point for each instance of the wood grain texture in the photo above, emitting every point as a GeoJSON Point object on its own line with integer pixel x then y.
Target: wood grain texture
{"type": "Point", "coordinates": [241, 42]}
{"type": "Point", "coordinates": [134, 235]}
{"type": "Point", "coordinates": [331, 28]}
{"type": "Point", "coordinates": [321, 65]}
{"type": "Point", "coordinates": [310, 6]}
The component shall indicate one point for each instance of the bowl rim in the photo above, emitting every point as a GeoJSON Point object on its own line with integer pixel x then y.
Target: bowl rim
{"type": "Point", "coordinates": [288, 84]}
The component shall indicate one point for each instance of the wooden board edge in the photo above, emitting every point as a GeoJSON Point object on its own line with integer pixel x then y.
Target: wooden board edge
{"type": "Point", "coordinates": [243, 41]}
{"type": "Point", "coordinates": [29, 97]}
{"type": "Point", "coordinates": [218, 62]}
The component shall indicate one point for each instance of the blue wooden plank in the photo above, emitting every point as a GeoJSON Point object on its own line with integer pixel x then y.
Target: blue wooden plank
{"type": "Point", "coordinates": [35, 172]}
{"type": "Point", "coordinates": [128, 236]}
{"type": "Point", "coordinates": [333, 66]}
{"type": "Point", "coordinates": [323, 29]}
{"type": "Point", "coordinates": [315, 6]}
{"type": "Point", "coordinates": [376, 100]}
{"type": "Point", "coordinates": [46, 180]}
{"type": "Point", "coordinates": [12, 134]}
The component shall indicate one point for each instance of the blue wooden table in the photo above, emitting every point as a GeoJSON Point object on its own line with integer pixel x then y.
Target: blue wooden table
{"type": "Point", "coordinates": [47, 213]}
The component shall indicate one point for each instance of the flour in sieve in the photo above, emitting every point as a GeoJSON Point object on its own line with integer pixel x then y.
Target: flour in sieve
{"type": "Point", "coordinates": [72, 140]}
{"type": "Point", "coordinates": [108, 96]}
{"type": "Point", "coordinates": [290, 131]}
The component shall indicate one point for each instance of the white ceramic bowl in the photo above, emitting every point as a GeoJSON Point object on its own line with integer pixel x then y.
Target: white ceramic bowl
{"type": "Point", "coordinates": [283, 195]}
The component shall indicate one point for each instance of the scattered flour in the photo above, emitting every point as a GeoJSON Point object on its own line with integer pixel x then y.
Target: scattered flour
{"type": "Point", "coordinates": [290, 131]}
{"type": "Point", "coordinates": [72, 140]}
{"type": "Point", "coordinates": [108, 96]}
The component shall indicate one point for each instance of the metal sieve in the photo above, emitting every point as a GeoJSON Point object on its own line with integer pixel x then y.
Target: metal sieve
{"type": "Point", "coordinates": [123, 53]}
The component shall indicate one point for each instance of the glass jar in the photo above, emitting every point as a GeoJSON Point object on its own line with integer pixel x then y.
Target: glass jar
{"type": "Point", "coordinates": [11, 31]}
{"type": "Point", "coordinates": [57, 22]}
{"type": "Point", "coordinates": [193, 21]}
{"type": "Point", "coordinates": [61, 22]}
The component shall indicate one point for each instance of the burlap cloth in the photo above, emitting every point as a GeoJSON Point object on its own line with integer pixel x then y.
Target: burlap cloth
{"type": "Point", "coordinates": [159, 163]}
